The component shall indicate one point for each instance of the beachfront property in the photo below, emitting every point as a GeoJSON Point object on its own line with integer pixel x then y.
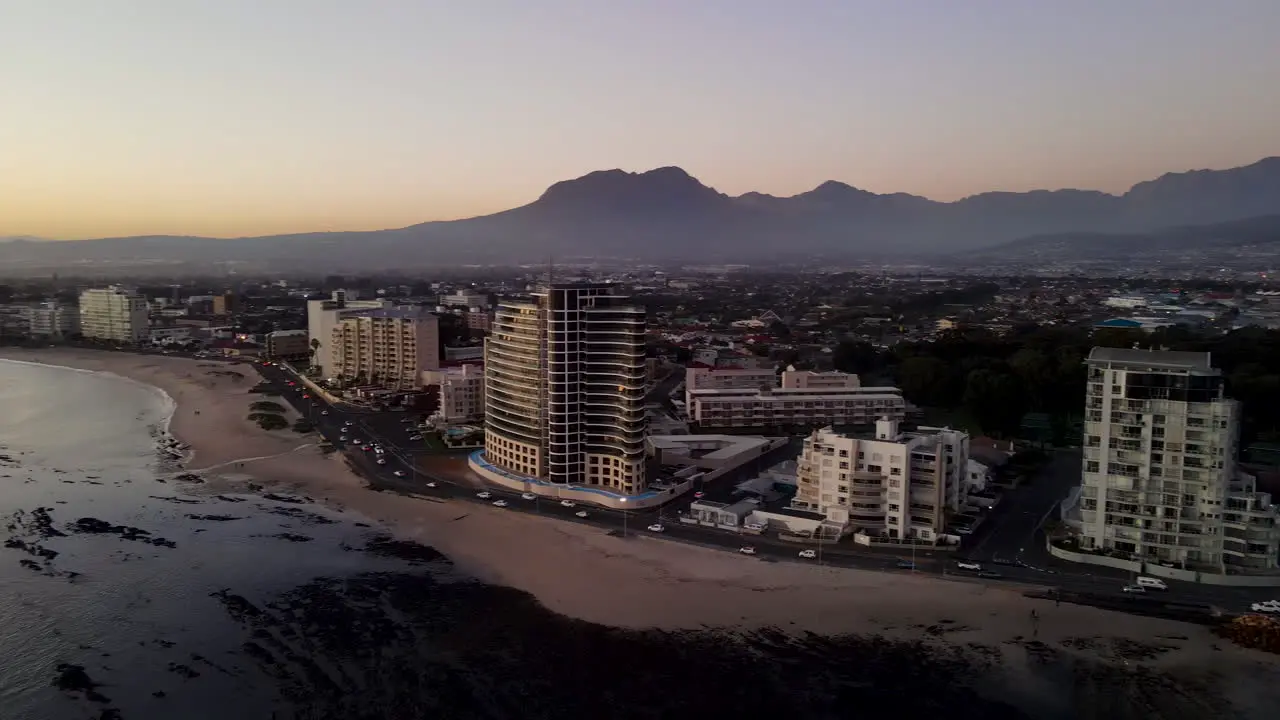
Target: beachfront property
{"type": "Point", "coordinates": [323, 315]}
{"type": "Point", "coordinates": [54, 320]}
{"type": "Point", "coordinates": [565, 386]}
{"type": "Point", "coordinates": [1159, 480]}
{"type": "Point", "coordinates": [725, 398]}
{"type": "Point", "coordinates": [461, 393]}
{"type": "Point", "coordinates": [389, 347]}
{"type": "Point", "coordinates": [894, 484]}
{"type": "Point", "coordinates": [288, 345]}
{"type": "Point", "coordinates": [115, 314]}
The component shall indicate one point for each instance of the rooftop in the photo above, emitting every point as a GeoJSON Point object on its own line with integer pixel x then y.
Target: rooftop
{"type": "Point", "coordinates": [1151, 358]}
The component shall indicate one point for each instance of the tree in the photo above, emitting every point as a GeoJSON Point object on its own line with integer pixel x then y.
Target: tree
{"type": "Point", "coordinates": [926, 381]}
{"type": "Point", "coordinates": [266, 406]}
{"type": "Point", "coordinates": [269, 421]}
{"type": "Point", "coordinates": [995, 400]}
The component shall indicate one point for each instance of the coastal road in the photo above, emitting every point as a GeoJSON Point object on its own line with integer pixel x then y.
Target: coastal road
{"type": "Point", "coordinates": [1011, 532]}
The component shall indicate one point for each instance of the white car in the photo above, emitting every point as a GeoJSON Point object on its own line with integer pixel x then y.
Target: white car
{"type": "Point", "coordinates": [398, 473]}
{"type": "Point", "coordinates": [656, 527]}
{"type": "Point", "coordinates": [747, 550]}
{"type": "Point", "coordinates": [1266, 606]}
{"type": "Point", "coordinates": [528, 496]}
{"type": "Point", "coordinates": [324, 412]}
{"type": "Point", "coordinates": [808, 554]}
{"type": "Point", "coordinates": [432, 484]}
{"type": "Point", "coordinates": [568, 503]}
{"type": "Point", "coordinates": [581, 513]}
{"type": "Point", "coordinates": [415, 437]}
{"type": "Point", "coordinates": [1133, 589]}
{"type": "Point", "coordinates": [969, 566]}
{"type": "Point", "coordinates": [342, 438]}
{"type": "Point", "coordinates": [382, 461]}
{"type": "Point", "coordinates": [484, 494]}
{"type": "Point", "coordinates": [499, 503]}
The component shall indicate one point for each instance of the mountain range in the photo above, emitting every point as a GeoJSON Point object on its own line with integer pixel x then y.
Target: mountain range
{"type": "Point", "coordinates": [666, 214]}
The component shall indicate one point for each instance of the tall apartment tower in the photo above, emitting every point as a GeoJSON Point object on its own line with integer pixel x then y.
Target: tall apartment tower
{"type": "Point", "coordinates": [114, 313]}
{"type": "Point", "coordinates": [1159, 479]}
{"type": "Point", "coordinates": [564, 387]}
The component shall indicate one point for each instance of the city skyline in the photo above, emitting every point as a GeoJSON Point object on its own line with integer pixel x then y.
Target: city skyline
{"type": "Point", "coordinates": [235, 119]}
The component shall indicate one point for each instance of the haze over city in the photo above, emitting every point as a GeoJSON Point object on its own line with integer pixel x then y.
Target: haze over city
{"type": "Point", "coordinates": [240, 118]}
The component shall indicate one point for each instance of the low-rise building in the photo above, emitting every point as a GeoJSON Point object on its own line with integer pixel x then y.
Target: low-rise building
{"type": "Point", "coordinates": [461, 393]}
{"type": "Point", "coordinates": [894, 484]}
{"type": "Point", "coordinates": [54, 320]}
{"type": "Point", "coordinates": [289, 345]}
{"type": "Point", "coordinates": [799, 398]}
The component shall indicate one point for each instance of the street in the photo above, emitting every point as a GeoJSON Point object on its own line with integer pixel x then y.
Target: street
{"type": "Point", "coordinates": [1011, 534]}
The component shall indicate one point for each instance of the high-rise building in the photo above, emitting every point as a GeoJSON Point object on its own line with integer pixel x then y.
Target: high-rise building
{"type": "Point", "coordinates": [391, 347]}
{"type": "Point", "coordinates": [115, 314]}
{"type": "Point", "coordinates": [226, 304]}
{"type": "Point", "coordinates": [565, 386]}
{"type": "Point", "coordinates": [895, 484]}
{"type": "Point", "coordinates": [54, 320]}
{"type": "Point", "coordinates": [1159, 481]}
{"type": "Point", "coordinates": [322, 315]}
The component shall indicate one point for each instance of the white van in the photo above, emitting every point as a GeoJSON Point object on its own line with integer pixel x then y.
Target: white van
{"type": "Point", "coordinates": [1152, 583]}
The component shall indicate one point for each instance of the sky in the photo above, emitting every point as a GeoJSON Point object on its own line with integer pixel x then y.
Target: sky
{"type": "Point", "coordinates": [250, 117]}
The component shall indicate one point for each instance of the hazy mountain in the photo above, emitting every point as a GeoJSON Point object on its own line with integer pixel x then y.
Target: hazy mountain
{"type": "Point", "coordinates": [667, 214]}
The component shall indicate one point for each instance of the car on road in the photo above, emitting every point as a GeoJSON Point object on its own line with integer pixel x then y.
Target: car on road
{"type": "Point", "coordinates": [1133, 589]}
{"type": "Point", "coordinates": [306, 396]}
{"type": "Point", "coordinates": [1001, 561]}
{"type": "Point", "coordinates": [1266, 606]}
{"type": "Point", "coordinates": [905, 565]}
{"type": "Point", "coordinates": [348, 423]}
{"type": "Point", "coordinates": [499, 503]}
{"type": "Point", "coordinates": [987, 574]}
{"type": "Point", "coordinates": [382, 461]}
{"type": "Point", "coordinates": [567, 503]}
{"type": "Point", "coordinates": [747, 550]}
{"type": "Point", "coordinates": [432, 484]}
{"type": "Point", "coordinates": [398, 473]}
{"type": "Point", "coordinates": [484, 494]}
{"type": "Point", "coordinates": [324, 412]}
{"type": "Point", "coordinates": [528, 496]}
{"type": "Point", "coordinates": [699, 495]}
{"type": "Point", "coordinates": [657, 527]}
{"type": "Point", "coordinates": [342, 438]}
{"type": "Point", "coordinates": [969, 566]}
{"type": "Point", "coordinates": [808, 554]}
{"type": "Point", "coordinates": [404, 421]}
{"type": "Point", "coordinates": [366, 448]}
{"type": "Point", "coordinates": [415, 437]}
{"type": "Point", "coordinates": [581, 513]}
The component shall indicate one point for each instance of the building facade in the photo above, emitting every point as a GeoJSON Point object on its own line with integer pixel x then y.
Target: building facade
{"type": "Point", "coordinates": [893, 484]}
{"type": "Point", "coordinates": [461, 393]}
{"type": "Point", "coordinates": [1159, 480]}
{"type": "Point", "coordinates": [54, 320]}
{"type": "Point", "coordinates": [226, 304]}
{"type": "Point", "coordinates": [391, 347]}
{"type": "Point", "coordinates": [725, 399]}
{"type": "Point", "coordinates": [564, 388]}
{"type": "Point", "coordinates": [323, 315]}
{"type": "Point", "coordinates": [288, 345]}
{"type": "Point", "coordinates": [114, 314]}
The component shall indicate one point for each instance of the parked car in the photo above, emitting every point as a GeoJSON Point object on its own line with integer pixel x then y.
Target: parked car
{"type": "Point", "coordinates": [969, 566]}
{"type": "Point", "coordinates": [989, 575]}
{"type": "Point", "coordinates": [657, 527]}
{"type": "Point", "coordinates": [905, 565]}
{"type": "Point", "coordinates": [747, 550]}
{"type": "Point", "coordinates": [1266, 606]}
{"type": "Point", "coordinates": [484, 494]}
{"type": "Point", "coordinates": [1133, 589]}
{"type": "Point", "coordinates": [567, 503]}
{"type": "Point", "coordinates": [808, 554]}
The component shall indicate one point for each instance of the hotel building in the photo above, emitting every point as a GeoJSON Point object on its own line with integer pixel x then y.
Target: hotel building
{"type": "Point", "coordinates": [323, 315]}
{"type": "Point", "coordinates": [1159, 481]}
{"type": "Point", "coordinates": [894, 484]}
{"type": "Point", "coordinates": [115, 314]}
{"type": "Point", "coordinates": [734, 398]}
{"type": "Point", "coordinates": [54, 320]}
{"type": "Point", "coordinates": [391, 347]}
{"type": "Point", "coordinates": [564, 388]}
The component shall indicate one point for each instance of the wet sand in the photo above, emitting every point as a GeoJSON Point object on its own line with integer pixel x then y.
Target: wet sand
{"type": "Point", "coordinates": [646, 582]}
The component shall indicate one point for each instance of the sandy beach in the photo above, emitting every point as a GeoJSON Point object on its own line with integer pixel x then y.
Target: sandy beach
{"type": "Point", "coordinates": [645, 582]}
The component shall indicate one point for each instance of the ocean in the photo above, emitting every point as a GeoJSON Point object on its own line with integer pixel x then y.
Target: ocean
{"type": "Point", "coordinates": [127, 593]}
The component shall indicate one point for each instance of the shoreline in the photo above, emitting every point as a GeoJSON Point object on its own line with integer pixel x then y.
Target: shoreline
{"type": "Point", "coordinates": [640, 582]}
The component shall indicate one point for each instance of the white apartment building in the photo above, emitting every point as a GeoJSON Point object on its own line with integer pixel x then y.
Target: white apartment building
{"type": "Point", "coordinates": [389, 347]}
{"type": "Point", "coordinates": [323, 315]}
{"type": "Point", "coordinates": [54, 320]}
{"type": "Point", "coordinates": [465, 298]}
{"type": "Point", "coordinates": [461, 393]}
{"type": "Point", "coordinates": [740, 398]}
{"type": "Point", "coordinates": [1159, 481]}
{"type": "Point", "coordinates": [115, 314]}
{"type": "Point", "coordinates": [893, 484]}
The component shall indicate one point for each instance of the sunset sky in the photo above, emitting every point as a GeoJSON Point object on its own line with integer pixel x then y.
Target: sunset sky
{"type": "Point", "coordinates": [246, 117]}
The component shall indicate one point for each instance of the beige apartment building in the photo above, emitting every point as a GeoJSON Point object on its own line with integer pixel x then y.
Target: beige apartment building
{"type": "Point", "coordinates": [721, 399]}
{"type": "Point", "coordinates": [1159, 480]}
{"type": "Point", "coordinates": [564, 388]}
{"type": "Point", "coordinates": [893, 484]}
{"type": "Point", "coordinates": [115, 314]}
{"type": "Point", "coordinates": [461, 393]}
{"type": "Point", "coordinates": [323, 315]}
{"type": "Point", "coordinates": [54, 320]}
{"type": "Point", "coordinates": [391, 347]}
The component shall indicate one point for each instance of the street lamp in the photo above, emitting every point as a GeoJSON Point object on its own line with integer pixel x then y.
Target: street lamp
{"type": "Point", "coordinates": [624, 517]}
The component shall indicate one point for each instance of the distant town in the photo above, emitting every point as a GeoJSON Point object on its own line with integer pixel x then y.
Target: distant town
{"type": "Point", "coordinates": [1010, 427]}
